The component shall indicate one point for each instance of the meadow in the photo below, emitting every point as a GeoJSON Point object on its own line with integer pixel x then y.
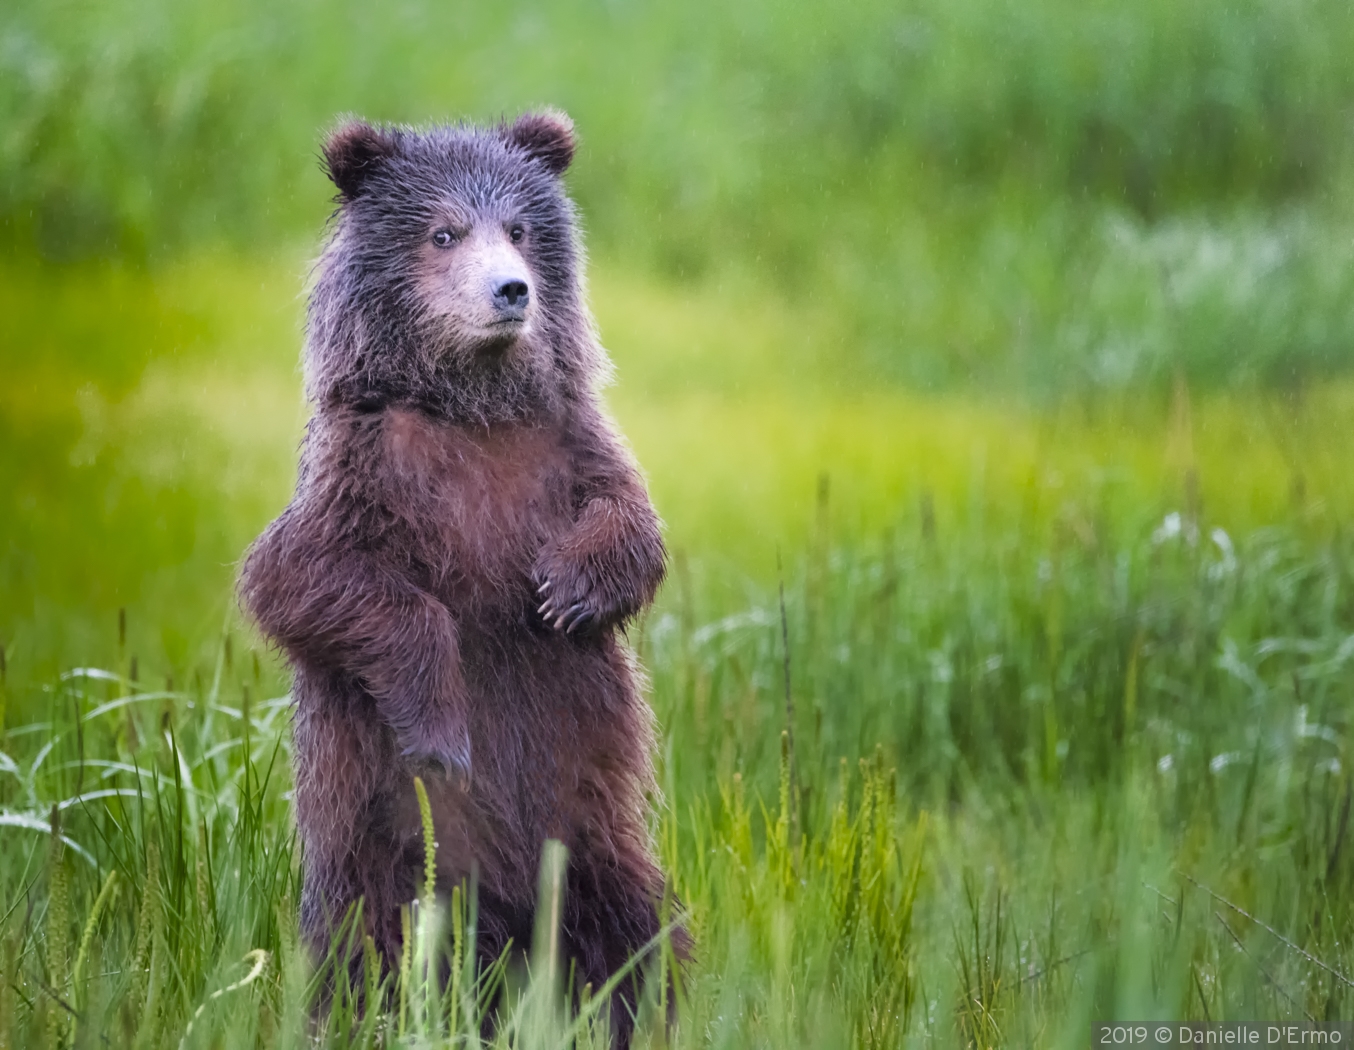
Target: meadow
{"type": "Point", "coordinates": [991, 367]}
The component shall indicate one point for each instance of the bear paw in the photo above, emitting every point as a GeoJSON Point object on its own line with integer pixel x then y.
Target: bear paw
{"type": "Point", "coordinates": [569, 600]}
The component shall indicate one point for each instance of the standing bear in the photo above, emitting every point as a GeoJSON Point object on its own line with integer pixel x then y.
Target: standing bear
{"type": "Point", "coordinates": [467, 539]}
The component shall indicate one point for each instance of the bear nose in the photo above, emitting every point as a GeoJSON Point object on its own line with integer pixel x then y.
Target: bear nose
{"type": "Point", "coordinates": [511, 296]}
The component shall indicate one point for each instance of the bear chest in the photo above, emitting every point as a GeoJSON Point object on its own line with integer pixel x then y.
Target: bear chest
{"type": "Point", "coordinates": [482, 502]}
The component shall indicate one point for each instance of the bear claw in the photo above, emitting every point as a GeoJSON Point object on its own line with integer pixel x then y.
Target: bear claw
{"type": "Point", "coordinates": [560, 614]}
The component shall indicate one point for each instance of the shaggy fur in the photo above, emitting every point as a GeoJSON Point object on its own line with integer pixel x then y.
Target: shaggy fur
{"type": "Point", "coordinates": [467, 538]}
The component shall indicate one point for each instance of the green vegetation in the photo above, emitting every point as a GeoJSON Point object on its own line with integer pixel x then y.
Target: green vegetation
{"type": "Point", "coordinates": [982, 192]}
{"type": "Point", "coordinates": [1101, 765]}
{"type": "Point", "coordinates": [1015, 339]}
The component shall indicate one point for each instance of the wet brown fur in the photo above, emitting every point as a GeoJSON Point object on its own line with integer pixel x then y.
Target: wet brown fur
{"type": "Point", "coordinates": [403, 580]}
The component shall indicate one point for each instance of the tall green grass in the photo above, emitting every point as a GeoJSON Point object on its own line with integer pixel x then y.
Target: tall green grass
{"type": "Point", "coordinates": [1023, 786]}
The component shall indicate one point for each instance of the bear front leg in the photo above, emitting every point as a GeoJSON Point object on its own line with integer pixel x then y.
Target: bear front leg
{"type": "Point", "coordinates": [342, 608]}
{"type": "Point", "coordinates": [412, 667]}
{"type": "Point", "coordinates": [605, 569]}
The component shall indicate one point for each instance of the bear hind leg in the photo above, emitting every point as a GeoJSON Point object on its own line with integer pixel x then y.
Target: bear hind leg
{"type": "Point", "coordinates": [610, 918]}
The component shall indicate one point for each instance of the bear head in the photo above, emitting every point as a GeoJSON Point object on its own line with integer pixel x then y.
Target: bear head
{"type": "Point", "coordinates": [451, 279]}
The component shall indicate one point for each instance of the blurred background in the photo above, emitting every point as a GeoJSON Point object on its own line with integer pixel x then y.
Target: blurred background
{"type": "Point", "coordinates": [913, 265]}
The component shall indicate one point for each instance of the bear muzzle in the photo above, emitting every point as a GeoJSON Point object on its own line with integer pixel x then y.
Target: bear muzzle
{"type": "Point", "coordinates": [510, 296]}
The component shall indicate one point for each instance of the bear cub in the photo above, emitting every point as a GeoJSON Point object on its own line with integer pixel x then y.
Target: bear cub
{"type": "Point", "coordinates": [467, 540]}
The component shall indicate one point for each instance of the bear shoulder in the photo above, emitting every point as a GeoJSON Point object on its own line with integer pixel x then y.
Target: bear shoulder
{"type": "Point", "coordinates": [343, 487]}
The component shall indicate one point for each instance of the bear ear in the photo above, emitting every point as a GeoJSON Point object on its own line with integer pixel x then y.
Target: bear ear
{"type": "Point", "coordinates": [548, 136]}
{"type": "Point", "coordinates": [353, 152]}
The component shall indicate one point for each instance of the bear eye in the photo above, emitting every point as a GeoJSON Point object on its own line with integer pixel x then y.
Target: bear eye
{"type": "Point", "coordinates": [516, 233]}
{"type": "Point", "coordinates": [444, 238]}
